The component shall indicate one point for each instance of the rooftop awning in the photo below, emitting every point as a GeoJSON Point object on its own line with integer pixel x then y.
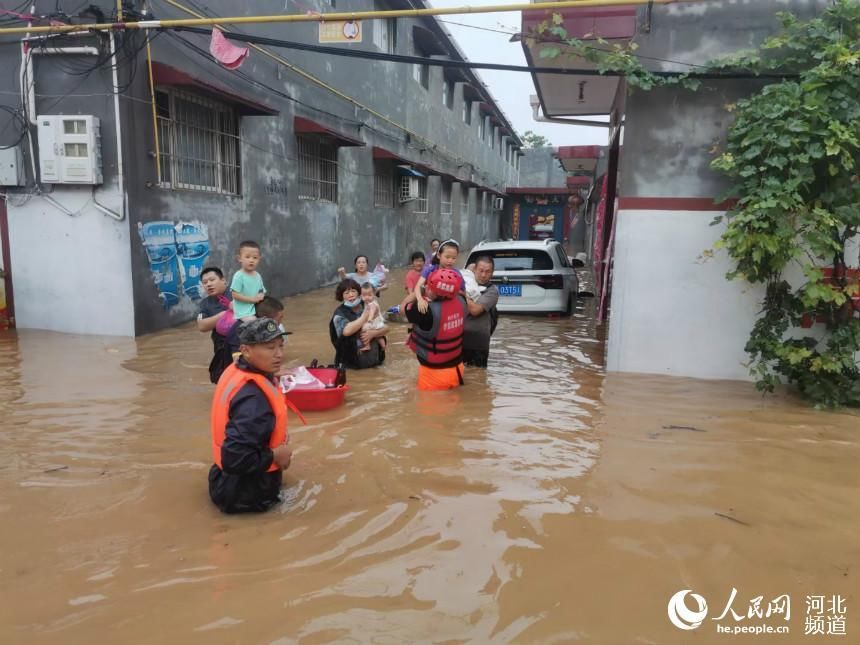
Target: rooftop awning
{"type": "Point", "coordinates": [303, 125]}
{"type": "Point", "coordinates": [582, 159]}
{"type": "Point", "coordinates": [427, 42]}
{"type": "Point", "coordinates": [573, 95]}
{"type": "Point", "coordinates": [537, 190]}
{"type": "Point", "coordinates": [472, 93]}
{"type": "Point", "coordinates": [165, 75]}
{"type": "Point", "coordinates": [578, 181]}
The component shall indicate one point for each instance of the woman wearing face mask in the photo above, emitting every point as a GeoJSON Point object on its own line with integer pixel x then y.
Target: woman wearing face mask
{"type": "Point", "coordinates": [345, 330]}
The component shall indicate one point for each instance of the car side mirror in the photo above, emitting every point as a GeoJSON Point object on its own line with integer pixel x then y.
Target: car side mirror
{"type": "Point", "coordinates": [576, 263]}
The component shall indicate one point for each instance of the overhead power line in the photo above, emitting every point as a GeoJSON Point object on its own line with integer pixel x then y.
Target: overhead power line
{"type": "Point", "coordinates": [440, 62]}
{"type": "Point", "coordinates": [335, 16]}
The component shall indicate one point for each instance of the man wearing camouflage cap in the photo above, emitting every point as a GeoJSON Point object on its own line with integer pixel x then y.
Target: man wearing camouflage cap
{"type": "Point", "coordinates": [249, 424]}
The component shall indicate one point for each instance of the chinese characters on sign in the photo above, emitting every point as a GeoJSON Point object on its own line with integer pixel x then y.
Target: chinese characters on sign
{"type": "Point", "coordinates": [825, 615]}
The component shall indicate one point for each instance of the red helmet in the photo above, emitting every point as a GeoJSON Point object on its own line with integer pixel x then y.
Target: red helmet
{"type": "Point", "coordinates": [445, 283]}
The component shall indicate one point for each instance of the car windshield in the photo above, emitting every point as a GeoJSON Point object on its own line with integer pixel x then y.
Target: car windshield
{"type": "Point", "coordinates": [516, 259]}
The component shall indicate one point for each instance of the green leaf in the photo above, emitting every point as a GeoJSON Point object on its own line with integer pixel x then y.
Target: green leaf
{"type": "Point", "coordinates": [549, 52]}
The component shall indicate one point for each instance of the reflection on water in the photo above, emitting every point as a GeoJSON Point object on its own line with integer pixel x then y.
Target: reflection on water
{"type": "Point", "coordinates": [542, 502]}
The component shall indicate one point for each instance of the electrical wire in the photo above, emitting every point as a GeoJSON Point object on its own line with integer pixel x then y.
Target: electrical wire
{"type": "Point", "coordinates": [548, 41]}
{"type": "Point", "coordinates": [286, 157]}
{"type": "Point", "coordinates": [456, 64]}
{"type": "Point", "coordinates": [202, 11]}
{"type": "Point", "coordinates": [22, 120]}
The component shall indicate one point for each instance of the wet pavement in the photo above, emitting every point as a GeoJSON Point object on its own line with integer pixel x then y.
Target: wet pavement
{"type": "Point", "coordinates": [544, 502]}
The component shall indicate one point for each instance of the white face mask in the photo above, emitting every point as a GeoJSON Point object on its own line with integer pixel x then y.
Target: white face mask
{"type": "Point", "coordinates": [352, 303]}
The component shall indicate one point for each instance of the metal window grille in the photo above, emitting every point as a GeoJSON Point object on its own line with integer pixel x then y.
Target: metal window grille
{"type": "Point", "coordinates": [421, 203]}
{"type": "Point", "coordinates": [467, 112]}
{"type": "Point", "coordinates": [445, 207]}
{"type": "Point", "coordinates": [317, 169]}
{"type": "Point", "coordinates": [200, 143]}
{"type": "Point", "coordinates": [384, 184]}
{"type": "Point", "coordinates": [479, 203]}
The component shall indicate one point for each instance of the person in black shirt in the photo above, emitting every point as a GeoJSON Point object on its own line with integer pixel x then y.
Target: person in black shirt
{"type": "Point", "coordinates": [212, 308]}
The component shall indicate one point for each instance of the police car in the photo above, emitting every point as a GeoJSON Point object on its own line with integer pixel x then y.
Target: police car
{"type": "Point", "coordinates": [531, 276]}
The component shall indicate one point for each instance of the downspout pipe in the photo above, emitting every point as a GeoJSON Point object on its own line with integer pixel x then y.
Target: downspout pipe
{"type": "Point", "coordinates": [118, 129]}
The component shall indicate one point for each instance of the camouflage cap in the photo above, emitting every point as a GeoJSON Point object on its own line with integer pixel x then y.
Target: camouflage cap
{"type": "Point", "coordinates": [261, 330]}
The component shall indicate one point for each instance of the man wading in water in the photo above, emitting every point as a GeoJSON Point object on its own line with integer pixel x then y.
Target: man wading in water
{"type": "Point", "coordinates": [249, 424]}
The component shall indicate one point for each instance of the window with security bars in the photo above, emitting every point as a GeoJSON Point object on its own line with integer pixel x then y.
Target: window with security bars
{"type": "Point", "coordinates": [421, 203]}
{"type": "Point", "coordinates": [199, 144]}
{"type": "Point", "coordinates": [385, 186]}
{"type": "Point", "coordinates": [445, 207]}
{"type": "Point", "coordinates": [480, 201]}
{"type": "Point", "coordinates": [317, 168]}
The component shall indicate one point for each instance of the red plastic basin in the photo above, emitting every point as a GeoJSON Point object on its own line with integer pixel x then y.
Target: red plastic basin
{"type": "Point", "coordinates": [316, 399]}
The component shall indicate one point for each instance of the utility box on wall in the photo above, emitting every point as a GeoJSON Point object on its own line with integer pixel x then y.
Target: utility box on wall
{"type": "Point", "coordinates": [12, 167]}
{"type": "Point", "coordinates": [69, 149]}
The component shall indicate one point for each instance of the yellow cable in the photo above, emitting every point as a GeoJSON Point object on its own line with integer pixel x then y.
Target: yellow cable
{"type": "Point", "coordinates": [335, 16]}
{"type": "Point", "coordinates": [154, 112]}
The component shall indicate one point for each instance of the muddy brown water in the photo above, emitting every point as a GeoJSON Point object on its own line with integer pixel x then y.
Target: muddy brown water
{"type": "Point", "coordinates": [544, 502]}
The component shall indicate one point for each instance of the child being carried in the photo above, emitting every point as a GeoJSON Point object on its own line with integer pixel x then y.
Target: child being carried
{"type": "Point", "coordinates": [374, 315]}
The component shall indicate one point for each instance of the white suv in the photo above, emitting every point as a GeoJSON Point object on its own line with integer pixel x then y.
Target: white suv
{"type": "Point", "coordinates": [532, 276]}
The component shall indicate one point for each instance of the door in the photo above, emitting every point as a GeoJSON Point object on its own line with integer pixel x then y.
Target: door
{"type": "Point", "coordinates": [7, 312]}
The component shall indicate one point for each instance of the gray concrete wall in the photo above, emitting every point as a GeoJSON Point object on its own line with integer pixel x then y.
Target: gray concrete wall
{"type": "Point", "coordinates": [699, 32]}
{"type": "Point", "coordinates": [539, 168]}
{"type": "Point", "coordinates": [303, 242]}
{"type": "Point", "coordinates": [671, 136]}
{"type": "Point", "coordinates": [70, 264]}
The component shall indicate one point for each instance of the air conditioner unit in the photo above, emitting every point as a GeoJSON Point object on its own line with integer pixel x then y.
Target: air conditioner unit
{"type": "Point", "coordinates": [408, 188]}
{"type": "Point", "coordinates": [498, 203]}
{"type": "Point", "coordinates": [69, 149]}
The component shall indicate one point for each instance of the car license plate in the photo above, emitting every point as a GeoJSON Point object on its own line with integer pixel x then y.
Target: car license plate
{"type": "Point", "coordinates": [510, 290]}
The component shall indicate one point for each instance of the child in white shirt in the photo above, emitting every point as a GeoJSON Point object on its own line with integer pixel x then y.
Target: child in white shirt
{"type": "Point", "coordinates": [375, 319]}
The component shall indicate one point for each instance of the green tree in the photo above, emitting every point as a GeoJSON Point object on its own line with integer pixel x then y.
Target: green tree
{"type": "Point", "coordinates": [793, 155]}
{"type": "Point", "coordinates": [532, 140]}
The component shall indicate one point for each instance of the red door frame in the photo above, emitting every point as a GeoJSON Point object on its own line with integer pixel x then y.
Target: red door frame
{"type": "Point", "coordinates": [7, 265]}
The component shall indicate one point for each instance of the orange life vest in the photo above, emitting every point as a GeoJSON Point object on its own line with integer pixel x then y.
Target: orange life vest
{"type": "Point", "coordinates": [231, 381]}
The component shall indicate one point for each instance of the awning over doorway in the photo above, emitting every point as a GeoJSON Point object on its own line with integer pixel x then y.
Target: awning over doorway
{"type": "Point", "coordinates": [165, 75]}
{"type": "Point", "coordinates": [303, 125]}
{"type": "Point", "coordinates": [580, 159]}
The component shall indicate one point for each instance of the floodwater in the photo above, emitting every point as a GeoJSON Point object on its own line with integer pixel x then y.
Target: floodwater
{"type": "Point", "coordinates": [544, 502]}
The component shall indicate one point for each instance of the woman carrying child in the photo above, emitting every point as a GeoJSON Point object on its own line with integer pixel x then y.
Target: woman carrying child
{"type": "Point", "coordinates": [346, 333]}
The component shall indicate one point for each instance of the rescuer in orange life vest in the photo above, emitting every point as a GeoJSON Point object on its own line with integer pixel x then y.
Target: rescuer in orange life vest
{"type": "Point", "coordinates": [437, 335]}
{"type": "Point", "coordinates": [249, 424]}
